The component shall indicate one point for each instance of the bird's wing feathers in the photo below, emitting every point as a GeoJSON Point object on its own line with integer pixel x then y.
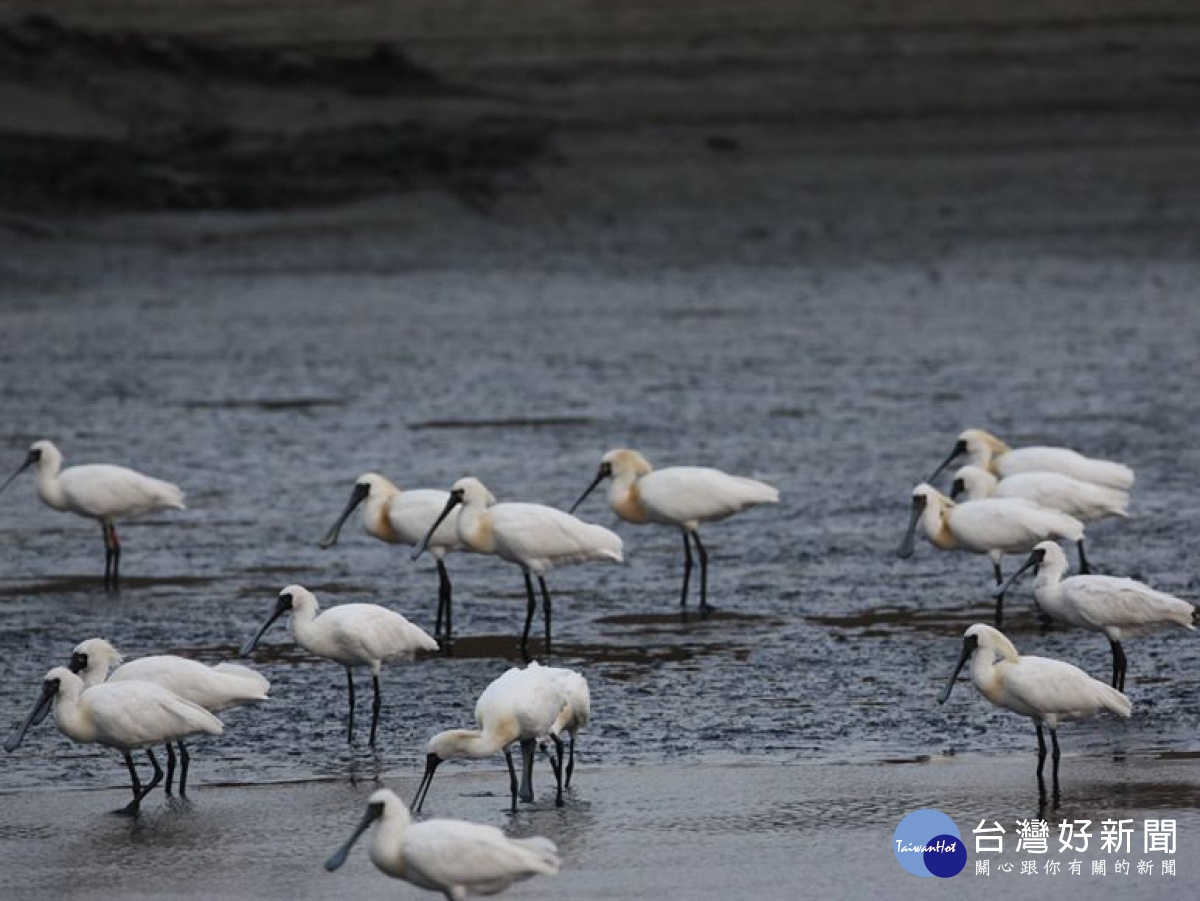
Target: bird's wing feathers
{"type": "Point", "coordinates": [1124, 603]}
{"type": "Point", "coordinates": [103, 491]}
{"type": "Point", "coordinates": [696, 494]}
{"type": "Point", "coordinates": [478, 857]}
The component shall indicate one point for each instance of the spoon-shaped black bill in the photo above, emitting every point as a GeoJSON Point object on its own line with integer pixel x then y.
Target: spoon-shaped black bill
{"type": "Point", "coordinates": [968, 648]}
{"type": "Point", "coordinates": [600, 477]}
{"type": "Point", "coordinates": [44, 702]}
{"type": "Point", "coordinates": [357, 496]}
{"type": "Point", "coordinates": [960, 448]}
{"type": "Point", "coordinates": [29, 461]}
{"type": "Point", "coordinates": [905, 550]}
{"type": "Point", "coordinates": [338, 857]}
{"type": "Point", "coordinates": [282, 606]}
{"type": "Point", "coordinates": [431, 764]}
{"type": "Point", "coordinates": [455, 500]}
{"type": "Point", "coordinates": [1035, 559]}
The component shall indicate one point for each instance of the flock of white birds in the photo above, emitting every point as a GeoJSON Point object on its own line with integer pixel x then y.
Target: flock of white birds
{"type": "Point", "coordinates": [165, 700]}
{"type": "Point", "coordinates": [1023, 501]}
{"type": "Point", "coordinates": [1017, 501]}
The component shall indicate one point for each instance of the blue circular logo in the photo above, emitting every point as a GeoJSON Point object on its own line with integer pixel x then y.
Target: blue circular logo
{"type": "Point", "coordinates": [927, 843]}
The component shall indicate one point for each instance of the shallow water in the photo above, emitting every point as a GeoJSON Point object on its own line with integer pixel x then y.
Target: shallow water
{"type": "Point", "coordinates": [263, 363]}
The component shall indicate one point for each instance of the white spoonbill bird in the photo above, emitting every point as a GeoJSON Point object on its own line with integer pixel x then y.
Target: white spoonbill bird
{"type": "Point", "coordinates": [986, 451]}
{"type": "Point", "coordinates": [98, 491]}
{"type": "Point", "coordinates": [535, 537]}
{"type": "Point", "coordinates": [1047, 691]}
{"type": "Point", "coordinates": [453, 857]}
{"type": "Point", "coordinates": [403, 517]}
{"type": "Point", "coordinates": [681, 496]}
{"type": "Point", "coordinates": [349, 634]}
{"type": "Point", "coordinates": [995, 526]}
{"type": "Point", "coordinates": [1086, 501]}
{"type": "Point", "coordinates": [1119, 608]}
{"type": "Point", "coordinates": [522, 706]}
{"type": "Point", "coordinates": [124, 715]}
{"type": "Point", "coordinates": [215, 688]}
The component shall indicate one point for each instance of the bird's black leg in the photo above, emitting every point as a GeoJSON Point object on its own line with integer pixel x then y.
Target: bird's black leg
{"type": "Point", "coordinates": [545, 610]}
{"type": "Point", "coordinates": [571, 761]}
{"type": "Point", "coordinates": [184, 759]}
{"type": "Point", "coordinates": [996, 572]}
{"type": "Point", "coordinates": [445, 600]}
{"type": "Point", "coordinates": [170, 767]}
{"type": "Point", "coordinates": [374, 710]}
{"type": "Point", "coordinates": [107, 556]}
{"type": "Point", "coordinates": [703, 573]}
{"type": "Point", "coordinates": [158, 773]}
{"type": "Point", "coordinates": [1084, 567]}
{"type": "Point", "coordinates": [558, 770]}
{"type": "Point", "coordinates": [999, 600]}
{"type": "Point", "coordinates": [116, 560]}
{"type": "Point", "coordinates": [530, 609]}
{"type": "Point", "coordinates": [131, 808]}
{"type": "Point", "coordinates": [687, 568]}
{"type": "Point", "coordinates": [1056, 754]}
{"type": "Point", "coordinates": [528, 749]}
{"type": "Point", "coordinates": [512, 777]}
{"type": "Point", "coordinates": [1041, 763]}
{"type": "Point", "coordinates": [1119, 664]}
{"type": "Point", "coordinates": [350, 723]}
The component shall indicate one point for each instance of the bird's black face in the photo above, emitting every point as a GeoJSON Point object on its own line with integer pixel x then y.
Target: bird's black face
{"type": "Point", "coordinates": [969, 646]}
{"type": "Point", "coordinates": [34, 456]}
{"type": "Point", "coordinates": [374, 812]}
{"type": "Point", "coordinates": [79, 662]}
{"type": "Point", "coordinates": [432, 762]}
{"type": "Point", "coordinates": [960, 448]}
{"type": "Point", "coordinates": [282, 605]}
{"type": "Point", "coordinates": [37, 714]}
{"type": "Point", "coordinates": [604, 472]}
{"type": "Point", "coordinates": [458, 495]}
{"type": "Point", "coordinates": [1033, 561]}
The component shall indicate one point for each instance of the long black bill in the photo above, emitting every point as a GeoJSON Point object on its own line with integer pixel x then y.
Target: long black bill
{"type": "Point", "coordinates": [1035, 559]}
{"type": "Point", "coordinates": [338, 857]}
{"type": "Point", "coordinates": [44, 702]}
{"type": "Point", "coordinates": [603, 474]}
{"type": "Point", "coordinates": [431, 764]}
{"type": "Point", "coordinates": [282, 606]}
{"type": "Point", "coordinates": [905, 550]}
{"type": "Point", "coordinates": [455, 500]}
{"type": "Point", "coordinates": [970, 643]}
{"type": "Point", "coordinates": [29, 461]}
{"type": "Point", "coordinates": [357, 496]}
{"type": "Point", "coordinates": [960, 448]}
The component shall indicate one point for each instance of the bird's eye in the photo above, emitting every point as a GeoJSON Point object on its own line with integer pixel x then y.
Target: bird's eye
{"type": "Point", "coordinates": [35, 454]}
{"type": "Point", "coordinates": [285, 597]}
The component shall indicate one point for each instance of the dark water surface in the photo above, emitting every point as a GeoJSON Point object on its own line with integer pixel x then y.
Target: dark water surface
{"type": "Point", "coordinates": [263, 363]}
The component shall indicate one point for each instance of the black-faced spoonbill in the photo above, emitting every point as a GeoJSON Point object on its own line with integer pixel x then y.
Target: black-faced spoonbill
{"type": "Point", "coordinates": [995, 526]}
{"type": "Point", "coordinates": [215, 688]}
{"type": "Point", "coordinates": [1086, 501]}
{"type": "Point", "coordinates": [1119, 608]}
{"type": "Point", "coordinates": [680, 496]}
{"type": "Point", "coordinates": [98, 491]}
{"type": "Point", "coordinates": [1047, 691]}
{"type": "Point", "coordinates": [404, 517]}
{"type": "Point", "coordinates": [986, 451]}
{"type": "Point", "coordinates": [349, 634]}
{"type": "Point", "coordinates": [453, 857]}
{"type": "Point", "coordinates": [521, 706]}
{"type": "Point", "coordinates": [535, 537]}
{"type": "Point", "coordinates": [127, 716]}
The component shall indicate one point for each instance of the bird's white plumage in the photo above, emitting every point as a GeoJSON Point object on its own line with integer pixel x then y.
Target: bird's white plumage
{"type": "Point", "coordinates": [1086, 501]}
{"type": "Point", "coordinates": [354, 634]}
{"type": "Point", "coordinates": [993, 526]}
{"type": "Point", "coordinates": [573, 687]}
{"type": "Point", "coordinates": [454, 857]}
{"type": "Point", "coordinates": [987, 451]}
{"type": "Point", "coordinates": [126, 715]}
{"type": "Point", "coordinates": [215, 688]}
{"type": "Point", "coordinates": [100, 490]}
{"type": "Point", "coordinates": [536, 537]}
{"type": "Point", "coordinates": [1045, 690]}
{"type": "Point", "coordinates": [1119, 608]}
